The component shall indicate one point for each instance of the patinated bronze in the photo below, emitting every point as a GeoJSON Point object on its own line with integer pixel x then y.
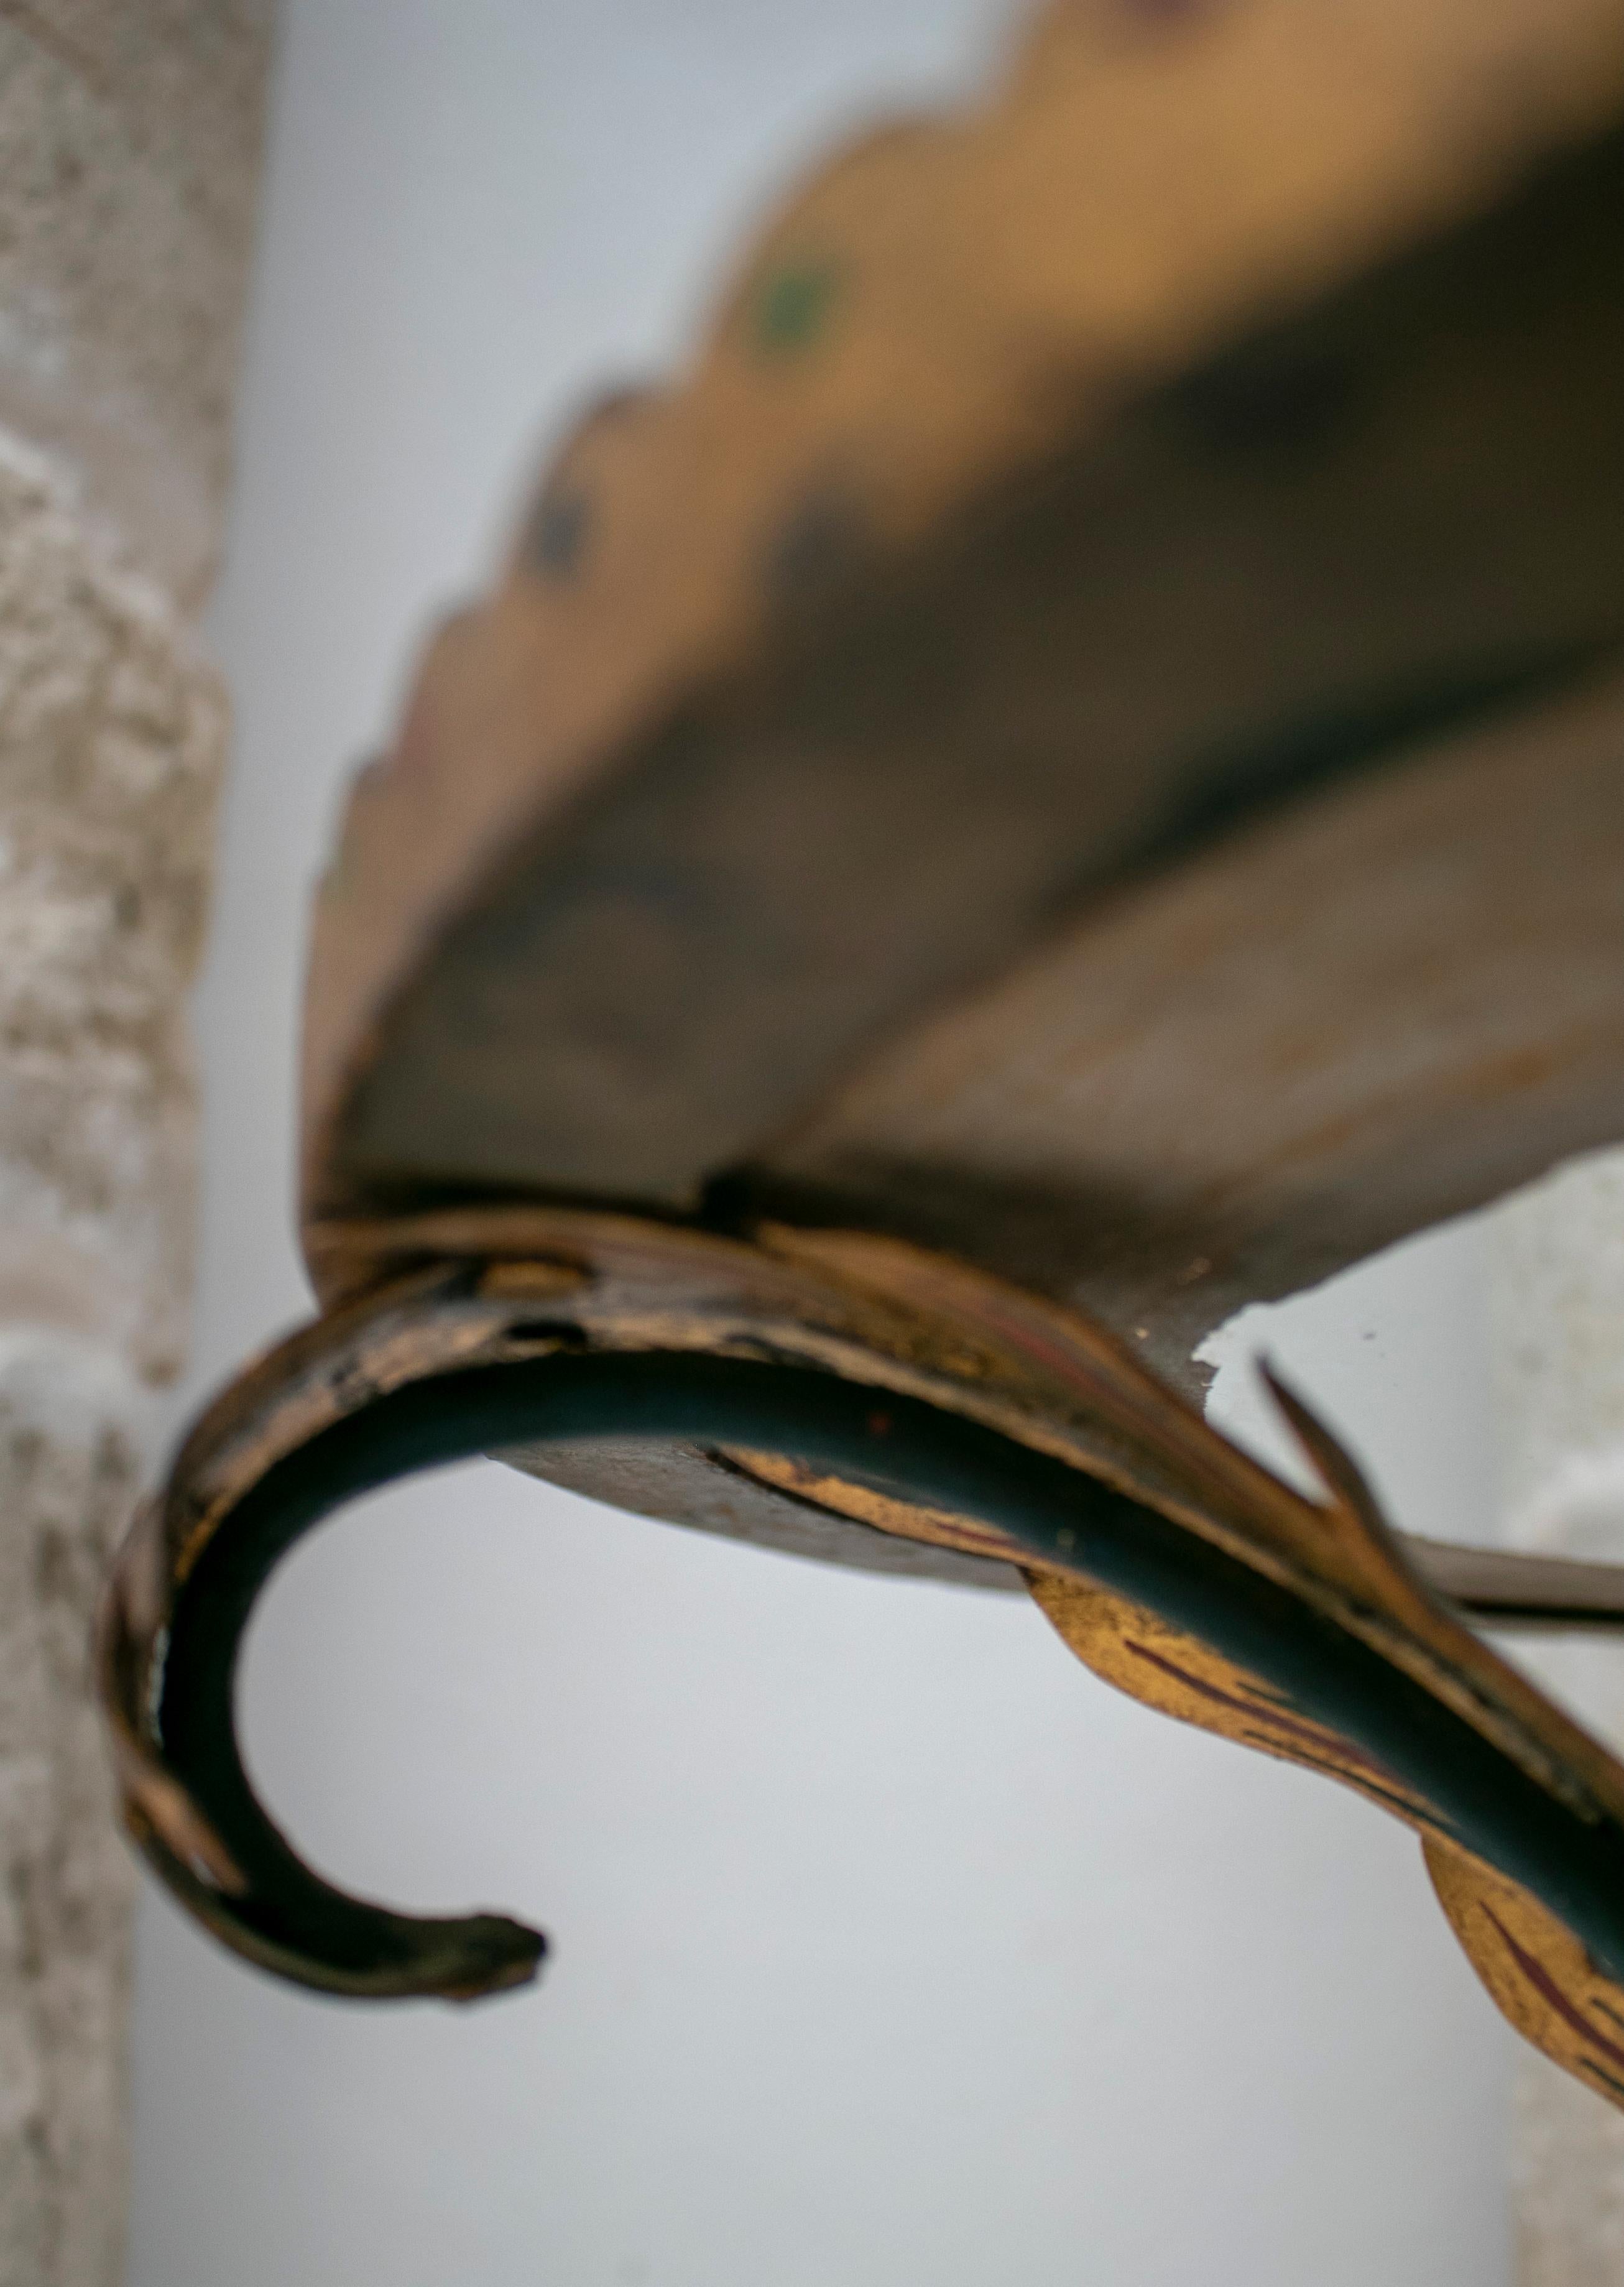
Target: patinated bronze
{"type": "Point", "coordinates": [1071, 776]}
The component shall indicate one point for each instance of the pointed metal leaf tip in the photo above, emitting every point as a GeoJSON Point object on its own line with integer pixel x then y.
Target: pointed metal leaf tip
{"type": "Point", "coordinates": [1335, 1467]}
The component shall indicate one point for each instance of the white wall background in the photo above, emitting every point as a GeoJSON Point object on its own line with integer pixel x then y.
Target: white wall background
{"type": "Point", "coordinates": [890, 1948]}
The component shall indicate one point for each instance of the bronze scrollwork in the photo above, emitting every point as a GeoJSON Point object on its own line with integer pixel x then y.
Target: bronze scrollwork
{"type": "Point", "coordinates": [1066, 780]}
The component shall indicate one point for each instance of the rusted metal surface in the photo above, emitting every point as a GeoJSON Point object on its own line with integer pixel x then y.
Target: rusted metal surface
{"type": "Point", "coordinates": [1195, 603]}
{"type": "Point", "coordinates": [1384, 1007]}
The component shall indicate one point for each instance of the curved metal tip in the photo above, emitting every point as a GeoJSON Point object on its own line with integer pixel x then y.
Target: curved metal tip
{"type": "Point", "coordinates": [165, 1674]}
{"type": "Point", "coordinates": [329, 1943]}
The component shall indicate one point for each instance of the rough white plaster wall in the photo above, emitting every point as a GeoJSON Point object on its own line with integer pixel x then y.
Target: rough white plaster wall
{"type": "Point", "coordinates": [130, 139]}
{"type": "Point", "coordinates": [111, 732]}
{"type": "Point", "coordinates": [74, 1434]}
{"type": "Point", "coordinates": [129, 134]}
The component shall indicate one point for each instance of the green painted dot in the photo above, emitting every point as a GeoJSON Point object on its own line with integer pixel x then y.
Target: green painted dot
{"type": "Point", "coordinates": [793, 306]}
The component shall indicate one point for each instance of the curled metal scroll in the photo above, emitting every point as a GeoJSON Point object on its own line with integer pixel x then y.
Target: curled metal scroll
{"type": "Point", "coordinates": [927, 1391]}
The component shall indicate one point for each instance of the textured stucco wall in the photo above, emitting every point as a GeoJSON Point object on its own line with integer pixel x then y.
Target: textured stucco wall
{"type": "Point", "coordinates": [1557, 1306]}
{"type": "Point", "coordinates": [129, 145]}
{"type": "Point", "coordinates": [128, 157]}
{"type": "Point", "coordinates": [110, 745]}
